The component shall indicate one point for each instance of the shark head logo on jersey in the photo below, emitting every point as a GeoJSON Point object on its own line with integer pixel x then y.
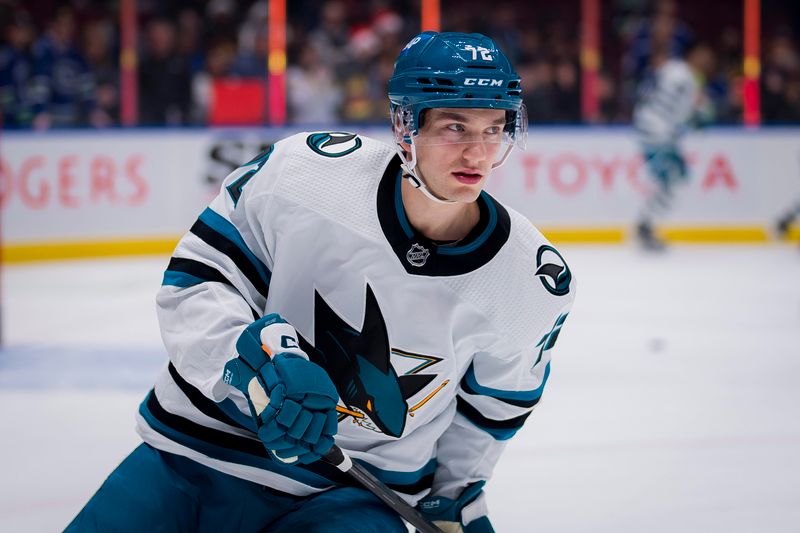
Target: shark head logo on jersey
{"type": "Point", "coordinates": [553, 271]}
{"type": "Point", "coordinates": [334, 143]}
{"type": "Point", "coordinates": [359, 363]}
{"type": "Point", "coordinates": [417, 255]}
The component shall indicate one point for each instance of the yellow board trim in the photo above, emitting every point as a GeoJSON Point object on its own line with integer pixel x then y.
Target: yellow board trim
{"type": "Point", "coordinates": [603, 235]}
{"type": "Point", "coordinates": [675, 234]}
{"type": "Point", "coordinates": [724, 234]}
{"type": "Point", "coordinates": [58, 250]}
{"type": "Point", "coordinates": [50, 251]}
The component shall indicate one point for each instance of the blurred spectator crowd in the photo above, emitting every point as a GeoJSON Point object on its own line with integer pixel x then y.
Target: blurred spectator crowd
{"type": "Point", "coordinates": [59, 60]}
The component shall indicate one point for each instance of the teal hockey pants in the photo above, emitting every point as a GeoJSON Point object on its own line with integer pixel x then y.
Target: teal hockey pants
{"type": "Point", "coordinates": [153, 491]}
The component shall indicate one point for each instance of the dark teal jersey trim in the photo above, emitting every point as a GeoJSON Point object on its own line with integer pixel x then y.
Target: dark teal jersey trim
{"type": "Point", "coordinates": [391, 477]}
{"type": "Point", "coordinates": [263, 156]}
{"type": "Point", "coordinates": [398, 206]}
{"type": "Point", "coordinates": [470, 385]}
{"type": "Point", "coordinates": [249, 451]}
{"type": "Point", "coordinates": [422, 256]}
{"type": "Point", "coordinates": [225, 411]}
{"type": "Point", "coordinates": [482, 238]}
{"type": "Point", "coordinates": [182, 272]}
{"type": "Point", "coordinates": [499, 429]}
{"type": "Point", "coordinates": [223, 236]}
{"type": "Point", "coordinates": [180, 279]}
{"type": "Point", "coordinates": [226, 228]}
{"type": "Point", "coordinates": [221, 445]}
{"type": "Point", "coordinates": [235, 188]}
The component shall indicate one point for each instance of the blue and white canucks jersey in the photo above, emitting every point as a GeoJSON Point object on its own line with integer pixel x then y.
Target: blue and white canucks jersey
{"type": "Point", "coordinates": [438, 352]}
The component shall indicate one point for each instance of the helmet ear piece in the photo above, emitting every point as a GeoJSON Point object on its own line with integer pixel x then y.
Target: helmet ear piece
{"type": "Point", "coordinates": [402, 124]}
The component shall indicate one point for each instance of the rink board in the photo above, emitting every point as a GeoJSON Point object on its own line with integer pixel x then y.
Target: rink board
{"type": "Point", "coordinates": [94, 193]}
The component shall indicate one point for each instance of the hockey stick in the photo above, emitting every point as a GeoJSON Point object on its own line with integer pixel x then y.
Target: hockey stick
{"type": "Point", "coordinates": [342, 461]}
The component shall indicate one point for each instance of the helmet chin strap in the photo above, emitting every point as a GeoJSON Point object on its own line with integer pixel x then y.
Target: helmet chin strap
{"type": "Point", "coordinates": [411, 173]}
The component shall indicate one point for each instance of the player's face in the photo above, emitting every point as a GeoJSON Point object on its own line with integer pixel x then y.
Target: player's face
{"type": "Point", "coordinates": [456, 149]}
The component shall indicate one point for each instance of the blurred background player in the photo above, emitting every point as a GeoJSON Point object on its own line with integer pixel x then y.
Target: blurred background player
{"type": "Point", "coordinates": [789, 218]}
{"type": "Point", "coordinates": [669, 102]}
{"type": "Point", "coordinates": [421, 338]}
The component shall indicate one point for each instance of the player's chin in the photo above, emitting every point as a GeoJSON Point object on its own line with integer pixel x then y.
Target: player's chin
{"type": "Point", "coordinates": [466, 193]}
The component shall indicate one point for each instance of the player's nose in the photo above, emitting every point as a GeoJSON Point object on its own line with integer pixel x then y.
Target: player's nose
{"type": "Point", "coordinates": [475, 150]}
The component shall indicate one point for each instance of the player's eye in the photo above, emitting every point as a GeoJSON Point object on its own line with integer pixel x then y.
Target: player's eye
{"type": "Point", "coordinates": [455, 127]}
{"type": "Point", "coordinates": [494, 130]}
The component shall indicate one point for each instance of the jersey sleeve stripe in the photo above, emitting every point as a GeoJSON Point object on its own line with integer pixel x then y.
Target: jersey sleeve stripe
{"type": "Point", "coordinates": [180, 279]}
{"type": "Point", "coordinates": [470, 385]}
{"type": "Point", "coordinates": [237, 449]}
{"type": "Point", "coordinates": [499, 429]}
{"type": "Point", "coordinates": [405, 482]}
{"type": "Point", "coordinates": [221, 235]}
{"type": "Point", "coordinates": [183, 273]}
{"type": "Point", "coordinates": [219, 444]}
{"type": "Point", "coordinates": [225, 411]}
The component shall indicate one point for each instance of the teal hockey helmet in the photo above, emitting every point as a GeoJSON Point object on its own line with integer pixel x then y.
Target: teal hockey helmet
{"type": "Point", "coordinates": [454, 70]}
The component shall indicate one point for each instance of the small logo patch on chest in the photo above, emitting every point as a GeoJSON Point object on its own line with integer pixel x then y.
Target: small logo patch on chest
{"type": "Point", "coordinates": [417, 255]}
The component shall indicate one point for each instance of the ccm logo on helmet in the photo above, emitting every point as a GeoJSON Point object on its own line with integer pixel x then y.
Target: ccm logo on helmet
{"type": "Point", "coordinates": [483, 82]}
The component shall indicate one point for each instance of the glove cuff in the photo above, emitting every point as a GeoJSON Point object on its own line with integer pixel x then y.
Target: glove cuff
{"type": "Point", "coordinates": [280, 337]}
{"type": "Point", "coordinates": [265, 338]}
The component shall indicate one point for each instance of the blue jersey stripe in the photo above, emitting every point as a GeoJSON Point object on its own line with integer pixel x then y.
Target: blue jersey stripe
{"type": "Point", "coordinates": [221, 445]}
{"type": "Point", "coordinates": [180, 279]}
{"type": "Point", "coordinates": [391, 477]}
{"type": "Point", "coordinates": [520, 398]}
{"type": "Point", "coordinates": [250, 452]}
{"type": "Point", "coordinates": [225, 411]}
{"type": "Point", "coordinates": [226, 228]}
{"type": "Point", "coordinates": [183, 272]}
{"type": "Point", "coordinates": [499, 429]}
{"type": "Point", "coordinates": [223, 236]}
{"type": "Point", "coordinates": [398, 205]}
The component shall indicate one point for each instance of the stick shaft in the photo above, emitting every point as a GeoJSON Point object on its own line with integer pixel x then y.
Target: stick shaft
{"type": "Point", "coordinates": [340, 460]}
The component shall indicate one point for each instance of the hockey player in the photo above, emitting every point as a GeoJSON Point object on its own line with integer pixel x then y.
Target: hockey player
{"type": "Point", "coordinates": [785, 222]}
{"type": "Point", "coordinates": [340, 288]}
{"type": "Point", "coordinates": [669, 103]}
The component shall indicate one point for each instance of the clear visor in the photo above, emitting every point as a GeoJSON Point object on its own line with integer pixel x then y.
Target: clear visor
{"type": "Point", "coordinates": [497, 124]}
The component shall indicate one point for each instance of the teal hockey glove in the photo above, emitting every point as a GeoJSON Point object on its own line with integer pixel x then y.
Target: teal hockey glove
{"type": "Point", "coordinates": [463, 515]}
{"type": "Point", "coordinates": [292, 400]}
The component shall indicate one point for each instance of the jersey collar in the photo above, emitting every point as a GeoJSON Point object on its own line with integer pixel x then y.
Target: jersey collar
{"type": "Point", "coordinates": [422, 256]}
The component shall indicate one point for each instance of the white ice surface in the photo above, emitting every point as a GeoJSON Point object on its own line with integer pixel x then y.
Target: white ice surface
{"type": "Point", "coordinates": [673, 405]}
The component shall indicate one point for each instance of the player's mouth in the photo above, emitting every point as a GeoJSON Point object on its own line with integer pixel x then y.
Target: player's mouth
{"type": "Point", "coordinates": [467, 176]}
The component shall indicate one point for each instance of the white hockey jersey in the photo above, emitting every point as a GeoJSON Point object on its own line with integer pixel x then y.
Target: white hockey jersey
{"type": "Point", "coordinates": [439, 352]}
{"type": "Point", "coordinates": [665, 103]}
